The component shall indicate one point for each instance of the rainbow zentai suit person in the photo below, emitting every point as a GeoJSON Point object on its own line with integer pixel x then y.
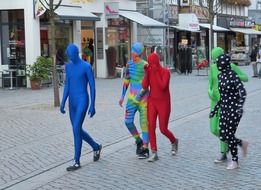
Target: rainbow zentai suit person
{"type": "Point", "coordinates": [133, 78]}
{"type": "Point", "coordinates": [78, 75]}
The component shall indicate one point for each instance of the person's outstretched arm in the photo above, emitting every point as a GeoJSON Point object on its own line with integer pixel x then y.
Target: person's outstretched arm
{"type": "Point", "coordinates": [90, 76]}
{"type": "Point", "coordinates": [125, 86]}
{"type": "Point", "coordinates": [65, 90]}
{"type": "Point", "coordinates": [243, 76]}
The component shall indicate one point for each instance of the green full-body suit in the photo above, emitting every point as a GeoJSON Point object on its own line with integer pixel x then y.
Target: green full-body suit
{"type": "Point", "coordinates": [214, 95]}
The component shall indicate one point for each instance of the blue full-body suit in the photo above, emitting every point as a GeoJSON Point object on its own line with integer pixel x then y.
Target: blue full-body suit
{"type": "Point", "coordinates": [79, 75]}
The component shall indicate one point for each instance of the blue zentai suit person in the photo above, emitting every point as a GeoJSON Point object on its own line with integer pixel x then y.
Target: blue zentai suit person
{"type": "Point", "coordinates": [79, 75]}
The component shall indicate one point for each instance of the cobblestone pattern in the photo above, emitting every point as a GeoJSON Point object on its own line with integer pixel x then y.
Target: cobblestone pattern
{"type": "Point", "coordinates": [192, 168]}
{"type": "Point", "coordinates": [35, 138]}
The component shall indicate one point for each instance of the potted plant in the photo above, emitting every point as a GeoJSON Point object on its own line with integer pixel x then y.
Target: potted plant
{"type": "Point", "coordinates": [39, 71]}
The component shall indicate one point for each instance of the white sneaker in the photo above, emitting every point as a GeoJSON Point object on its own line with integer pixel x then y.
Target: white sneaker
{"type": "Point", "coordinates": [175, 147]}
{"type": "Point", "coordinates": [232, 165]}
{"type": "Point", "coordinates": [153, 157]}
{"type": "Point", "coordinates": [222, 158]}
{"type": "Point", "coordinates": [244, 148]}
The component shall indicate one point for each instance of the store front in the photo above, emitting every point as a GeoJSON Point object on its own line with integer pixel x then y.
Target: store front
{"type": "Point", "coordinates": [118, 40]}
{"type": "Point", "coordinates": [13, 57]}
{"type": "Point", "coordinates": [191, 46]}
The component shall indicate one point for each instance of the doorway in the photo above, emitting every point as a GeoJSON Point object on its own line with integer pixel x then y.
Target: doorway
{"type": "Point", "coordinates": [88, 43]}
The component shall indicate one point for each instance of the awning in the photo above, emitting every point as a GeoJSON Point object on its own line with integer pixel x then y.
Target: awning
{"type": "Point", "coordinates": [142, 19]}
{"type": "Point", "coordinates": [214, 27]}
{"type": "Point", "coordinates": [246, 31]}
{"type": "Point", "coordinates": [75, 13]}
{"type": "Point", "coordinates": [185, 29]}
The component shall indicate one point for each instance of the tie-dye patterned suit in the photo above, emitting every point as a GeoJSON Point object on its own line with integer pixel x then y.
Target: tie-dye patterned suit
{"type": "Point", "coordinates": [133, 77]}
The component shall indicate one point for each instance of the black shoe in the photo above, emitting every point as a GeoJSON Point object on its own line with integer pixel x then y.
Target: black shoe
{"type": "Point", "coordinates": [144, 153]}
{"type": "Point", "coordinates": [139, 147]}
{"type": "Point", "coordinates": [97, 153]}
{"type": "Point", "coordinates": [74, 167]}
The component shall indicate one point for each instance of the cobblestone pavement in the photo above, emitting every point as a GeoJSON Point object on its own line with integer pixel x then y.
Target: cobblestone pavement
{"type": "Point", "coordinates": [36, 142]}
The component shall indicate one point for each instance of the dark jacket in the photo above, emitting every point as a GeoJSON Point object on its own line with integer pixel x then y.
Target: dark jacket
{"type": "Point", "coordinates": [253, 55]}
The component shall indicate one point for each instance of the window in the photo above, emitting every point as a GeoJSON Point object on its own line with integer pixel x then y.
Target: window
{"type": "Point", "coordinates": [13, 38]}
{"type": "Point", "coordinates": [184, 2]}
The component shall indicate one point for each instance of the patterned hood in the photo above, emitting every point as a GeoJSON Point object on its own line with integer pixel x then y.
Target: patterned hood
{"type": "Point", "coordinates": [223, 63]}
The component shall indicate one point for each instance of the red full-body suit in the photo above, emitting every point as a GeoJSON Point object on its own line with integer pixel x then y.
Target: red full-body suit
{"type": "Point", "coordinates": [157, 80]}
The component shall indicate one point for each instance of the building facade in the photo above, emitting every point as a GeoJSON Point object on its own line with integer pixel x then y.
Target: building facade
{"type": "Point", "coordinates": [103, 31]}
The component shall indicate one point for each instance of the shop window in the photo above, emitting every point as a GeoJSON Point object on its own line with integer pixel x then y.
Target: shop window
{"type": "Point", "coordinates": [63, 36]}
{"type": "Point", "coordinates": [13, 39]}
{"type": "Point", "coordinates": [118, 37]}
{"type": "Point", "coordinates": [13, 43]}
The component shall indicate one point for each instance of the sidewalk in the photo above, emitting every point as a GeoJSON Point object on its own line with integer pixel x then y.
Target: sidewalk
{"type": "Point", "coordinates": [36, 142]}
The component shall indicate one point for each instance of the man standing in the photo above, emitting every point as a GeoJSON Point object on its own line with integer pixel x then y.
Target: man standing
{"type": "Point", "coordinates": [254, 58]}
{"type": "Point", "coordinates": [79, 75]}
{"type": "Point", "coordinates": [133, 78]}
{"type": "Point", "coordinates": [214, 96]}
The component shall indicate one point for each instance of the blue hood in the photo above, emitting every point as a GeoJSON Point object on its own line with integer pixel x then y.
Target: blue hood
{"type": "Point", "coordinates": [72, 52]}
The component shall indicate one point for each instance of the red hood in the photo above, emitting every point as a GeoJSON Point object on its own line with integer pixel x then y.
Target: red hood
{"type": "Point", "coordinates": [154, 60]}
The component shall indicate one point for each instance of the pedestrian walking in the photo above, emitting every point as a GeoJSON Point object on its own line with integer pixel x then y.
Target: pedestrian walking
{"type": "Point", "coordinates": [232, 98]}
{"type": "Point", "coordinates": [214, 96]}
{"type": "Point", "coordinates": [259, 61]}
{"type": "Point", "coordinates": [79, 75]}
{"type": "Point", "coordinates": [134, 74]}
{"type": "Point", "coordinates": [157, 80]}
{"type": "Point", "coordinates": [254, 56]}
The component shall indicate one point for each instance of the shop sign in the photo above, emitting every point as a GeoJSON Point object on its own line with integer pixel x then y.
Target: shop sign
{"type": "Point", "coordinates": [100, 43]}
{"type": "Point", "coordinates": [188, 20]}
{"type": "Point", "coordinates": [111, 9]}
{"type": "Point", "coordinates": [236, 23]}
{"type": "Point", "coordinates": [172, 2]}
{"type": "Point", "coordinates": [249, 23]}
{"type": "Point", "coordinates": [153, 40]}
{"type": "Point", "coordinates": [39, 9]}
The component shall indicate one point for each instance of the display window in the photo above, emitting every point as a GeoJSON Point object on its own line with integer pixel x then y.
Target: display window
{"type": "Point", "coordinates": [12, 41]}
{"type": "Point", "coordinates": [118, 40]}
{"type": "Point", "coordinates": [12, 38]}
{"type": "Point", "coordinates": [88, 42]}
{"type": "Point", "coordinates": [63, 36]}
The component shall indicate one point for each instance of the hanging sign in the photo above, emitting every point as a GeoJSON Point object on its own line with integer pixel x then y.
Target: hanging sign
{"type": "Point", "coordinates": [111, 9]}
{"type": "Point", "coordinates": [39, 9]}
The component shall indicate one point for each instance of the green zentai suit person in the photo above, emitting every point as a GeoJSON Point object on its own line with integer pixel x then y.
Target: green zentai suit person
{"type": "Point", "coordinates": [214, 96]}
